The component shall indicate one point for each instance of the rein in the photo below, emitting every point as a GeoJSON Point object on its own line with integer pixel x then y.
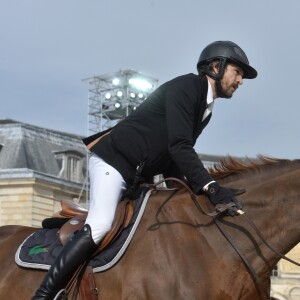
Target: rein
{"type": "Point", "coordinates": [220, 208]}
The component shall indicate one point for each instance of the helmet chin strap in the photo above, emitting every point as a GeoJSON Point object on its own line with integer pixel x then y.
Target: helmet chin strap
{"type": "Point", "coordinates": [218, 76]}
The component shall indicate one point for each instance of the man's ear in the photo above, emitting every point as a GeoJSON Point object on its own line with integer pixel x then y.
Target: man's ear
{"type": "Point", "coordinates": [216, 68]}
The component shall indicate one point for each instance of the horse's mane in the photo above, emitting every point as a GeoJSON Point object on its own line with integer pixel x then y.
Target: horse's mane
{"type": "Point", "coordinates": [230, 166]}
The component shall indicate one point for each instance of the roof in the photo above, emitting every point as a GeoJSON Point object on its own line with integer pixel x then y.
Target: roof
{"type": "Point", "coordinates": [7, 122]}
{"type": "Point", "coordinates": [27, 146]}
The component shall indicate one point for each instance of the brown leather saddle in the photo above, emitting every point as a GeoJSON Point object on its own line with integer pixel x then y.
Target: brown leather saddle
{"type": "Point", "coordinates": [77, 214]}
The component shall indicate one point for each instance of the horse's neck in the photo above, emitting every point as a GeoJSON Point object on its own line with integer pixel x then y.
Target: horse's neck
{"type": "Point", "coordinates": [272, 203]}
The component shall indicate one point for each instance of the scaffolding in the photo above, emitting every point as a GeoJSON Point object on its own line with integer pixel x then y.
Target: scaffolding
{"type": "Point", "coordinates": [111, 98]}
{"type": "Point", "coordinates": [114, 96]}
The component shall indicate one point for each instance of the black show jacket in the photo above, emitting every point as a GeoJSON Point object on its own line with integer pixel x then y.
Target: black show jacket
{"type": "Point", "coordinates": [162, 131]}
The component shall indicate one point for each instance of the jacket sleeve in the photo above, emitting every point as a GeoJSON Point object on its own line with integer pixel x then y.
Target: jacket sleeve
{"type": "Point", "coordinates": [181, 104]}
{"type": "Point", "coordinates": [172, 170]}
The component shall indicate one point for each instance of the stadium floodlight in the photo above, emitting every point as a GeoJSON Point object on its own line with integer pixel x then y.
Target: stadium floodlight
{"type": "Point", "coordinates": [107, 96]}
{"type": "Point", "coordinates": [114, 96]}
{"type": "Point", "coordinates": [140, 84]}
{"type": "Point", "coordinates": [119, 94]}
{"type": "Point", "coordinates": [116, 81]}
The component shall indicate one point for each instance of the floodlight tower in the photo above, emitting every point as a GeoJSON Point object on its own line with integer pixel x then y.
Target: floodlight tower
{"type": "Point", "coordinates": [114, 96]}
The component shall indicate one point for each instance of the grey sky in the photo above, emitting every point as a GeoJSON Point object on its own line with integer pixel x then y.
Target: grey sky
{"type": "Point", "coordinates": [48, 47]}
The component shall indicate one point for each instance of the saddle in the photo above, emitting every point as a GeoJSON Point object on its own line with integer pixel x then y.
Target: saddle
{"type": "Point", "coordinates": [77, 216]}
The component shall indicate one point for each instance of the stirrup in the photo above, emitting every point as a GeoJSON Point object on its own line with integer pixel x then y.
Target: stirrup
{"type": "Point", "coordinates": [61, 295]}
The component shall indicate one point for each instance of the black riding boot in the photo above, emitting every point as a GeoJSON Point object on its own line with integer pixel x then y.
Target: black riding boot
{"type": "Point", "coordinates": [74, 253]}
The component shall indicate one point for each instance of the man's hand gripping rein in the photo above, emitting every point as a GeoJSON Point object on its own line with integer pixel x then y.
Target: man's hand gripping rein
{"type": "Point", "coordinates": [220, 195]}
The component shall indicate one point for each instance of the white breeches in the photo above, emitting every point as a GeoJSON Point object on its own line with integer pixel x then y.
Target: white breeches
{"type": "Point", "coordinates": [106, 188]}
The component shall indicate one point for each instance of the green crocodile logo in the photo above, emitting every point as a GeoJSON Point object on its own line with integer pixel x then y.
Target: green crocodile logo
{"type": "Point", "coordinates": [38, 249]}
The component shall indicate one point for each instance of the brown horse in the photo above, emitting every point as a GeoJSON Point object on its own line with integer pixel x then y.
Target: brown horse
{"type": "Point", "coordinates": [179, 253]}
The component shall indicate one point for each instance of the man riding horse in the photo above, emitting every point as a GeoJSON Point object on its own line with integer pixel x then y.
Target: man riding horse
{"type": "Point", "coordinates": [157, 138]}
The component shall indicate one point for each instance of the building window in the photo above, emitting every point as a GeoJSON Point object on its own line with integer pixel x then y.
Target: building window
{"type": "Point", "coordinates": [73, 168]}
{"type": "Point", "coordinates": [274, 272]}
{"type": "Point", "coordinates": [70, 165]}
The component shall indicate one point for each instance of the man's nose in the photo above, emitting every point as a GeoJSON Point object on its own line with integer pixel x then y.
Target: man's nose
{"type": "Point", "coordinates": [240, 80]}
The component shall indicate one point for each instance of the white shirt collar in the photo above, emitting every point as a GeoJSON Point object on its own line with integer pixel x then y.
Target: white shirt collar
{"type": "Point", "coordinates": [209, 101]}
{"type": "Point", "coordinates": [209, 98]}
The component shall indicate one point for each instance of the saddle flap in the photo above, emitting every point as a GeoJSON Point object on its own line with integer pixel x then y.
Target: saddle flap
{"type": "Point", "coordinates": [70, 227]}
{"type": "Point", "coordinates": [129, 213]}
{"type": "Point", "coordinates": [123, 217]}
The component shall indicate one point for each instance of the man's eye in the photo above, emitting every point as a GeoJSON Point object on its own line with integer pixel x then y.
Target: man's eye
{"type": "Point", "coordinates": [239, 72]}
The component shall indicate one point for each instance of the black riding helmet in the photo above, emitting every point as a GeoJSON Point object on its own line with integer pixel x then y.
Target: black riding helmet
{"type": "Point", "coordinates": [225, 51]}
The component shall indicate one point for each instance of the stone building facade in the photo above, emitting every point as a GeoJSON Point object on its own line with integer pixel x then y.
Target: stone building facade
{"type": "Point", "coordinates": [38, 168]}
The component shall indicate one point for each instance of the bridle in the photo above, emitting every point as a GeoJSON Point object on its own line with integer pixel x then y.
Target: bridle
{"type": "Point", "coordinates": [220, 209]}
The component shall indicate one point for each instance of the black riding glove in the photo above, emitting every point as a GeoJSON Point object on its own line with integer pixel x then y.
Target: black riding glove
{"type": "Point", "coordinates": [222, 195]}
